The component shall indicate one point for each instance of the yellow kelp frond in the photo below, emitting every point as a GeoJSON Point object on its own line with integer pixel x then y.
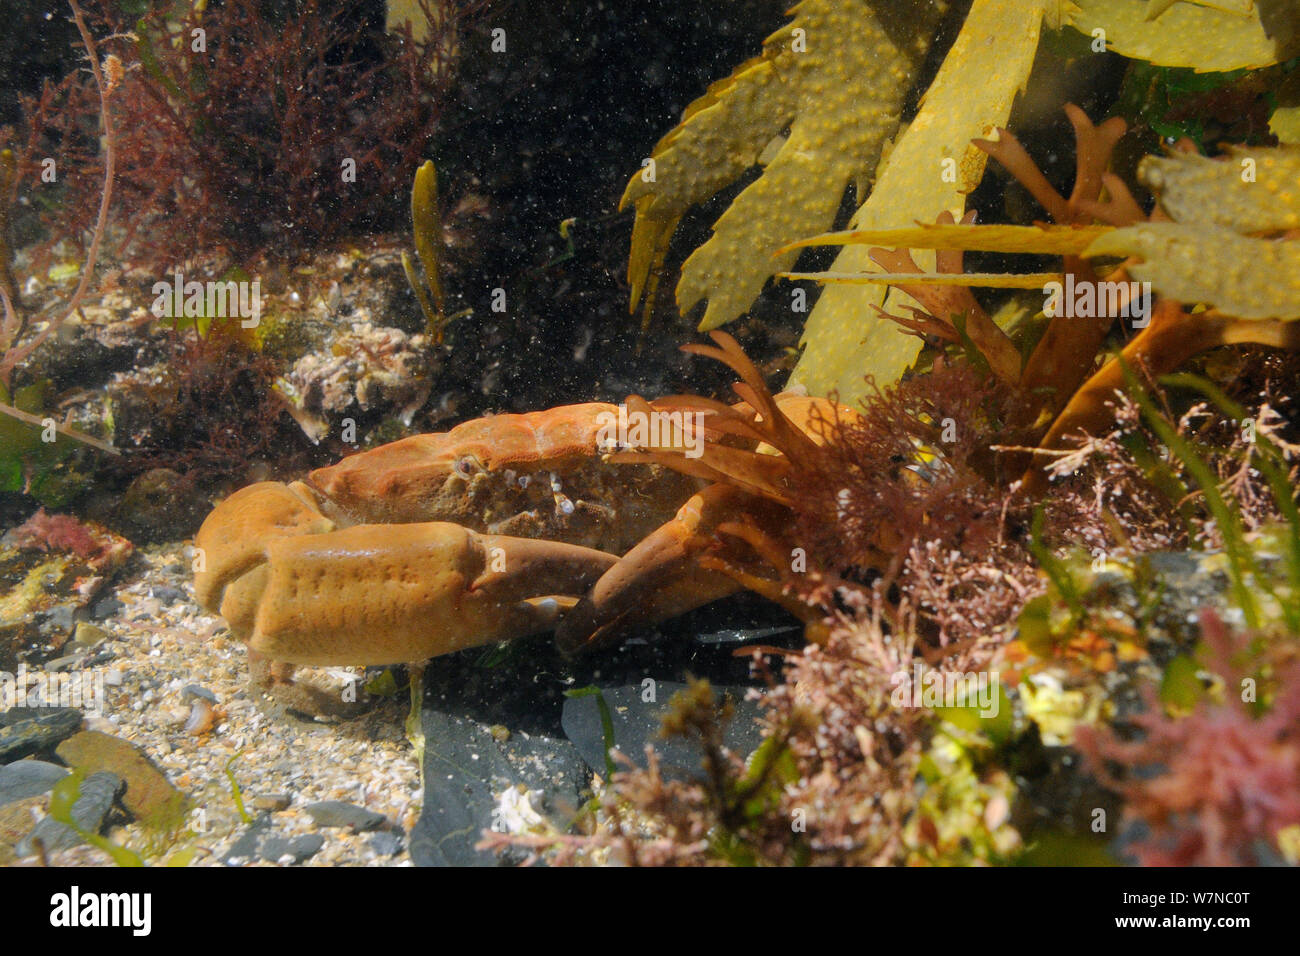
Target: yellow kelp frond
{"type": "Point", "coordinates": [1040, 240]}
{"type": "Point", "coordinates": [426, 230]}
{"type": "Point", "coordinates": [931, 169]}
{"type": "Point", "coordinates": [1252, 190]}
{"type": "Point", "coordinates": [1243, 277]}
{"type": "Point", "coordinates": [835, 78]}
{"type": "Point", "coordinates": [1206, 35]}
{"type": "Point", "coordinates": [983, 280]}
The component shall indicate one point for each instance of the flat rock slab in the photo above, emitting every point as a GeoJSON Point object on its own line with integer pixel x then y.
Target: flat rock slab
{"type": "Point", "coordinates": [636, 713]}
{"type": "Point", "coordinates": [28, 778]}
{"type": "Point", "coordinates": [466, 769]}
{"type": "Point", "coordinates": [295, 850]}
{"type": "Point", "coordinates": [95, 797]}
{"type": "Point", "coordinates": [495, 720]}
{"type": "Point", "coordinates": [336, 813]}
{"type": "Point", "coordinates": [25, 731]}
{"type": "Point", "coordinates": [149, 795]}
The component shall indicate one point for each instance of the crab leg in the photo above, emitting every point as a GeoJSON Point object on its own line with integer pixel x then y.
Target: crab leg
{"type": "Point", "coordinates": [659, 578]}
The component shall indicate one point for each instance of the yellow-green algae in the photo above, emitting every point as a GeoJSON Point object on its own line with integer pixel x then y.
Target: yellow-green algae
{"type": "Point", "coordinates": [971, 96]}
{"type": "Point", "coordinates": [835, 76]}
{"type": "Point", "coordinates": [1243, 277]}
{"type": "Point", "coordinates": [1251, 190]}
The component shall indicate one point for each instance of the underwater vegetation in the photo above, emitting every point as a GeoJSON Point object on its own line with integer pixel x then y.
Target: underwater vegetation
{"type": "Point", "coordinates": [1216, 785]}
{"type": "Point", "coordinates": [982, 512]}
{"type": "Point", "coordinates": [984, 505]}
{"type": "Point", "coordinates": [807, 79]}
{"type": "Point", "coordinates": [203, 138]}
{"type": "Point", "coordinates": [247, 126]}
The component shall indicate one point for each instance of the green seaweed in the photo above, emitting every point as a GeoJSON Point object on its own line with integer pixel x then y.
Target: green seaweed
{"type": "Point", "coordinates": [236, 793]}
{"type": "Point", "coordinates": [1272, 465]}
{"type": "Point", "coordinates": [62, 799]}
{"type": "Point", "coordinates": [606, 722]}
{"type": "Point", "coordinates": [1241, 562]}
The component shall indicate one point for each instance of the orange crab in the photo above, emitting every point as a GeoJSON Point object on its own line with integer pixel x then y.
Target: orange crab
{"type": "Point", "coordinates": [495, 529]}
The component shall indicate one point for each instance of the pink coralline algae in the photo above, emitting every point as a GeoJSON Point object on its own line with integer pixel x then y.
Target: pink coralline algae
{"type": "Point", "coordinates": [1217, 785]}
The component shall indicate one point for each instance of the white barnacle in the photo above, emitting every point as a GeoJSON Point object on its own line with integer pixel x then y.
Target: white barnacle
{"type": "Point", "coordinates": [555, 483]}
{"type": "Point", "coordinates": [524, 480]}
{"type": "Point", "coordinates": [510, 478]}
{"type": "Point", "coordinates": [562, 504]}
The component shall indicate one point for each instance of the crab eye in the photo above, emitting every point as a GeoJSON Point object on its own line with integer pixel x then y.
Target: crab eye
{"type": "Point", "coordinates": [466, 466]}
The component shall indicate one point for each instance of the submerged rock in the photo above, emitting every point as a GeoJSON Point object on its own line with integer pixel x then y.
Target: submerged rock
{"type": "Point", "coordinates": [95, 798]}
{"type": "Point", "coordinates": [33, 730]}
{"type": "Point", "coordinates": [149, 795]}
{"type": "Point", "coordinates": [28, 778]}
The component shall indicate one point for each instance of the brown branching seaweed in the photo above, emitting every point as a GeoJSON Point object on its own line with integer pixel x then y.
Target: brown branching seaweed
{"type": "Point", "coordinates": [108, 80]}
{"type": "Point", "coordinates": [240, 132]}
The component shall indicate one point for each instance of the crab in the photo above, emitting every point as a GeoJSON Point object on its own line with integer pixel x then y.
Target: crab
{"type": "Point", "coordinates": [505, 526]}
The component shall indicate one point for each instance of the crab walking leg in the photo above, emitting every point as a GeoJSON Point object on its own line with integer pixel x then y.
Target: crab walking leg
{"type": "Point", "coordinates": [387, 594]}
{"type": "Point", "coordinates": [659, 578]}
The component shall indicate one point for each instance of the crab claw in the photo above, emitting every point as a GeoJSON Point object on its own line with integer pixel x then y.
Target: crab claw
{"type": "Point", "coordinates": [658, 579]}
{"type": "Point", "coordinates": [383, 594]}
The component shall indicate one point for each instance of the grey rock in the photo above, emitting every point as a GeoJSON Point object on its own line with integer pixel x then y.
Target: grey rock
{"type": "Point", "coordinates": [58, 620]}
{"type": "Point", "coordinates": [637, 720]}
{"type": "Point", "coordinates": [105, 608]}
{"type": "Point", "coordinates": [196, 690]}
{"type": "Point", "coordinates": [275, 848]}
{"type": "Point", "coordinates": [465, 770]}
{"type": "Point", "coordinates": [22, 736]}
{"type": "Point", "coordinates": [336, 813]}
{"type": "Point", "coordinates": [271, 802]}
{"type": "Point", "coordinates": [386, 843]}
{"type": "Point", "coordinates": [68, 662]}
{"type": "Point", "coordinates": [28, 778]}
{"type": "Point", "coordinates": [169, 595]}
{"type": "Point", "coordinates": [471, 696]}
{"type": "Point", "coordinates": [94, 798]}
{"type": "Point", "coordinates": [245, 848]}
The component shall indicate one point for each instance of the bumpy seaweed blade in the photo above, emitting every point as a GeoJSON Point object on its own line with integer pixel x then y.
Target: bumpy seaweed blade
{"type": "Point", "coordinates": [1207, 36]}
{"type": "Point", "coordinates": [835, 77]}
{"type": "Point", "coordinates": [972, 94]}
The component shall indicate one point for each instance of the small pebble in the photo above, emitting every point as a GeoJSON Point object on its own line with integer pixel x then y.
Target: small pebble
{"type": "Point", "coordinates": [386, 843]}
{"type": "Point", "coordinates": [271, 802]}
{"type": "Point", "coordinates": [278, 849]}
{"type": "Point", "coordinates": [168, 595]}
{"type": "Point", "coordinates": [106, 608]}
{"type": "Point", "coordinates": [336, 813]}
{"type": "Point", "coordinates": [89, 635]}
